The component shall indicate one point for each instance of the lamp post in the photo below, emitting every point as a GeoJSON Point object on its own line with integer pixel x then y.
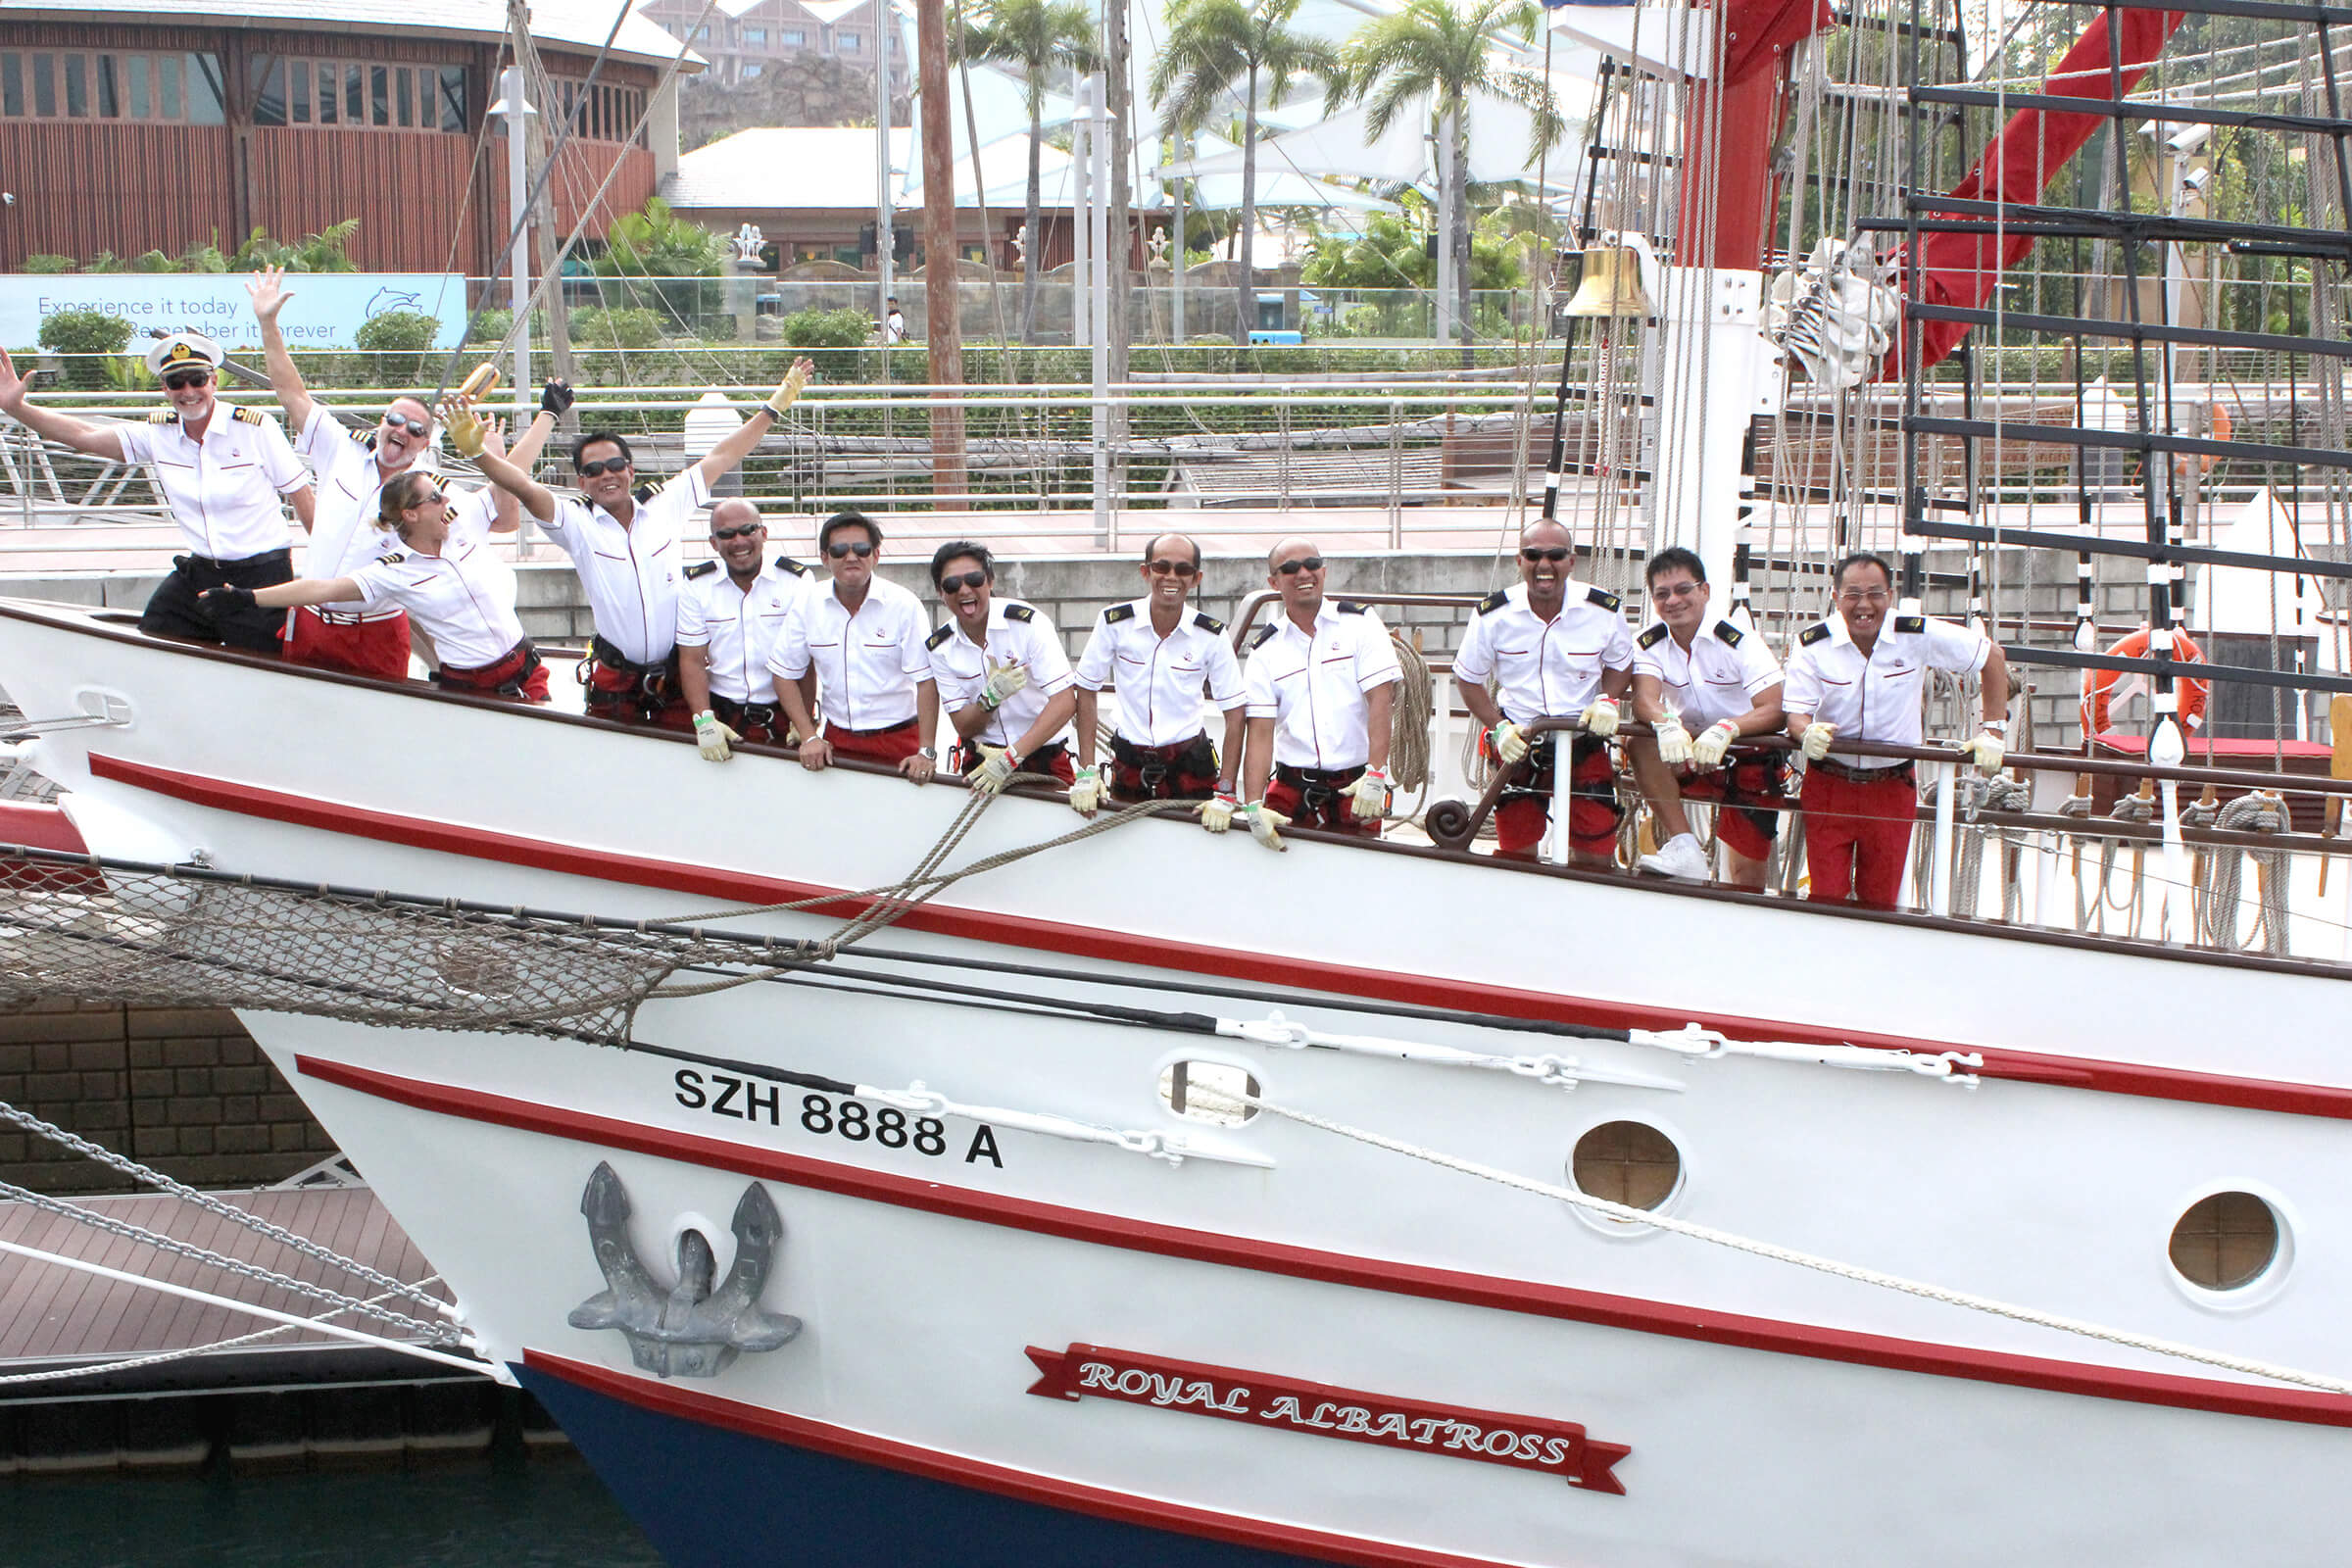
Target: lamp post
{"type": "Point", "coordinates": [516, 111]}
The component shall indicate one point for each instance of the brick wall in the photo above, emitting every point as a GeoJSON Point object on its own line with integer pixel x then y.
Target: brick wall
{"type": "Point", "coordinates": [184, 1090]}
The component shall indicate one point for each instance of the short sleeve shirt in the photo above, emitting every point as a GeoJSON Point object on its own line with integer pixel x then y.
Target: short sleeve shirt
{"type": "Point", "coordinates": [1545, 669]}
{"type": "Point", "coordinates": [739, 625]}
{"type": "Point", "coordinates": [1876, 695]}
{"type": "Point", "coordinates": [223, 489]}
{"type": "Point", "coordinates": [1315, 689]}
{"type": "Point", "coordinates": [1718, 676]}
{"type": "Point", "coordinates": [630, 573]}
{"type": "Point", "coordinates": [345, 535]}
{"type": "Point", "coordinates": [1017, 634]}
{"type": "Point", "coordinates": [1160, 680]}
{"type": "Point", "coordinates": [463, 598]}
{"type": "Point", "coordinates": [867, 663]}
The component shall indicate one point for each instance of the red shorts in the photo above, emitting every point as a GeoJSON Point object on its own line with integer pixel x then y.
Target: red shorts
{"type": "Point", "coordinates": [1054, 759]}
{"type": "Point", "coordinates": [1858, 836]}
{"type": "Point", "coordinates": [518, 678]}
{"type": "Point", "coordinates": [1184, 771]}
{"type": "Point", "coordinates": [1750, 789]}
{"type": "Point", "coordinates": [1314, 800]}
{"type": "Point", "coordinates": [891, 746]}
{"type": "Point", "coordinates": [1525, 809]}
{"type": "Point", "coordinates": [378, 647]}
{"type": "Point", "coordinates": [648, 696]}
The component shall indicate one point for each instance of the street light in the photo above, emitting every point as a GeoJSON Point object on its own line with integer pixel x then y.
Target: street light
{"type": "Point", "coordinates": [516, 111]}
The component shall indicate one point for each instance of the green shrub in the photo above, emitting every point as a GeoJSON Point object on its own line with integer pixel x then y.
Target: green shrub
{"type": "Point", "coordinates": [597, 328]}
{"type": "Point", "coordinates": [45, 263]}
{"type": "Point", "coordinates": [396, 343]}
{"type": "Point", "coordinates": [84, 336]}
{"type": "Point", "coordinates": [152, 262]}
{"type": "Point", "coordinates": [490, 327]}
{"type": "Point", "coordinates": [827, 329]}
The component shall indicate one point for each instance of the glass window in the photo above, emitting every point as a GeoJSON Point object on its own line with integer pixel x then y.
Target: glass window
{"type": "Point", "coordinates": [453, 98]}
{"type": "Point", "coordinates": [792, 38]}
{"type": "Point", "coordinates": [12, 83]}
{"type": "Point", "coordinates": [77, 86]}
{"type": "Point", "coordinates": [270, 98]}
{"type": "Point", "coordinates": [204, 91]}
{"type": "Point", "coordinates": [405, 91]}
{"type": "Point", "coordinates": [355, 97]}
{"type": "Point", "coordinates": [330, 100]}
{"type": "Point", "coordinates": [110, 102]}
{"type": "Point", "coordinates": [851, 43]}
{"type": "Point", "coordinates": [166, 85]}
{"type": "Point", "coordinates": [751, 70]}
{"type": "Point", "coordinates": [379, 95]}
{"type": "Point", "coordinates": [139, 101]}
{"type": "Point", "coordinates": [298, 103]}
{"type": "Point", "coordinates": [44, 86]}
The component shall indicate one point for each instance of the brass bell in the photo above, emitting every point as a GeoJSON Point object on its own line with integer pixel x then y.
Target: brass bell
{"type": "Point", "coordinates": [1611, 284]}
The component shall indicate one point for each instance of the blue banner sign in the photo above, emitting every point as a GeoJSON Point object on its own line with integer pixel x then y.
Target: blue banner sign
{"type": "Point", "coordinates": [322, 309]}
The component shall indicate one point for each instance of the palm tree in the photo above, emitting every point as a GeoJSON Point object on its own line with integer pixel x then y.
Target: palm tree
{"type": "Point", "coordinates": [1215, 47]}
{"type": "Point", "coordinates": [1040, 38]}
{"type": "Point", "coordinates": [1433, 49]}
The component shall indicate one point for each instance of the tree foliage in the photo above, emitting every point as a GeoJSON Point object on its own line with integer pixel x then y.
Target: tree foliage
{"type": "Point", "coordinates": [1037, 37]}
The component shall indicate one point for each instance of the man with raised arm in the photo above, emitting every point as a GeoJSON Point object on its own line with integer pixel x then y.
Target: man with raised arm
{"type": "Point", "coordinates": [220, 470]}
{"type": "Point", "coordinates": [1556, 649]}
{"type": "Point", "coordinates": [1715, 678]}
{"type": "Point", "coordinates": [1859, 678]}
{"type": "Point", "coordinates": [353, 467]}
{"type": "Point", "coordinates": [1001, 671]}
{"type": "Point", "coordinates": [863, 638]}
{"type": "Point", "coordinates": [732, 612]}
{"type": "Point", "coordinates": [1322, 685]}
{"type": "Point", "coordinates": [1159, 655]}
{"type": "Point", "coordinates": [624, 542]}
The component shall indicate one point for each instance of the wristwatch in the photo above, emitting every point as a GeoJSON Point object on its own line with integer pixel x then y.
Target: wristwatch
{"type": "Point", "coordinates": [928, 753]}
{"type": "Point", "coordinates": [1998, 727]}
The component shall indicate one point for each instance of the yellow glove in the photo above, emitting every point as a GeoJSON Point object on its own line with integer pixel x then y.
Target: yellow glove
{"type": "Point", "coordinates": [1816, 744]}
{"type": "Point", "coordinates": [468, 434]}
{"type": "Point", "coordinates": [1216, 813]}
{"type": "Point", "coordinates": [1086, 792]}
{"type": "Point", "coordinates": [1509, 743]}
{"type": "Point", "coordinates": [1263, 820]}
{"type": "Point", "coordinates": [1674, 741]}
{"type": "Point", "coordinates": [1368, 796]}
{"type": "Point", "coordinates": [712, 738]}
{"type": "Point", "coordinates": [1004, 680]}
{"type": "Point", "coordinates": [1708, 751]}
{"type": "Point", "coordinates": [1600, 718]}
{"type": "Point", "coordinates": [1986, 750]}
{"type": "Point", "coordinates": [789, 390]}
{"type": "Point", "coordinates": [997, 766]}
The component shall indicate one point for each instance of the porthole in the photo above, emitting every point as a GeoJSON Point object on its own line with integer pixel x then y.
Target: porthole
{"type": "Point", "coordinates": [2226, 1242]}
{"type": "Point", "coordinates": [1629, 1162]}
{"type": "Point", "coordinates": [1208, 1091]}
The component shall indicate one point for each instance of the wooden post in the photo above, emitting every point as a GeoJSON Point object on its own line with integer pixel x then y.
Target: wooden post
{"type": "Point", "coordinates": [943, 316]}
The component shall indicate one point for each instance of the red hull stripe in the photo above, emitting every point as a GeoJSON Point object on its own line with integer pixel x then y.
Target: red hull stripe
{"type": "Point", "coordinates": [1027, 1486]}
{"type": "Point", "coordinates": [1340, 1268]}
{"type": "Point", "coordinates": [1051, 936]}
{"type": "Point", "coordinates": [39, 827]}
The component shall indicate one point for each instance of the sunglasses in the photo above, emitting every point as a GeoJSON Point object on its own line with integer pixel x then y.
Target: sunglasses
{"type": "Point", "coordinates": [957, 585]}
{"type": "Point", "coordinates": [1551, 553]}
{"type": "Point", "coordinates": [1174, 568]}
{"type": "Point", "coordinates": [1291, 568]}
{"type": "Point", "coordinates": [1677, 590]}
{"type": "Point", "coordinates": [589, 470]}
{"type": "Point", "coordinates": [188, 379]}
{"type": "Point", "coordinates": [861, 550]}
{"type": "Point", "coordinates": [416, 428]}
{"type": "Point", "coordinates": [740, 531]}
{"type": "Point", "coordinates": [430, 498]}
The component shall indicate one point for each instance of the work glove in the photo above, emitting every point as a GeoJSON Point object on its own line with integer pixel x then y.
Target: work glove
{"type": "Point", "coordinates": [1368, 796]}
{"type": "Point", "coordinates": [1816, 744]}
{"type": "Point", "coordinates": [555, 398]}
{"type": "Point", "coordinates": [1674, 741]}
{"type": "Point", "coordinates": [468, 434]}
{"type": "Point", "coordinates": [1004, 680]}
{"type": "Point", "coordinates": [789, 389]}
{"type": "Point", "coordinates": [222, 599]}
{"type": "Point", "coordinates": [1509, 743]}
{"type": "Point", "coordinates": [1086, 792]}
{"type": "Point", "coordinates": [712, 738]}
{"type": "Point", "coordinates": [997, 766]}
{"type": "Point", "coordinates": [1986, 751]}
{"type": "Point", "coordinates": [1600, 718]}
{"type": "Point", "coordinates": [1263, 820]}
{"type": "Point", "coordinates": [1708, 751]}
{"type": "Point", "coordinates": [1217, 815]}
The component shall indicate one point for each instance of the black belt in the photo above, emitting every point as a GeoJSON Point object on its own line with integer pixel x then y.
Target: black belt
{"type": "Point", "coordinates": [1861, 775]}
{"type": "Point", "coordinates": [607, 655]}
{"type": "Point", "coordinates": [266, 558]}
{"type": "Point", "coordinates": [1300, 778]}
{"type": "Point", "coordinates": [768, 715]}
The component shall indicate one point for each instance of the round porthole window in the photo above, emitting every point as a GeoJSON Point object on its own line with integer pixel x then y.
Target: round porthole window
{"type": "Point", "coordinates": [2226, 1241]}
{"type": "Point", "coordinates": [1627, 1162]}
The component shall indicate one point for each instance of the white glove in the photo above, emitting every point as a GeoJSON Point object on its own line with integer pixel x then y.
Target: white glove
{"type": "Point", "coordinates": [1368, 796]}
{"type": "Point", "coordinates": [1217, 815]}
{"type": "Point", "coordinates": [1263, 820]}
{"type": "Point", "coordinates": [1986, 751]}
{"type": "Point", "coordinates": [1003, 681]}
{"type": "Point", "coordinates": [997, 766]}
{"type": "Point", "coordinates": [1601, 718]}
{"type": "Point", "coordinates": [1510, 745]}
{"type": "Point", "coordinates": [1708, 751]}
{"type": "Point", "coordinates": [1086, 792]}
{"type": "Point", "coordinates": [1816, 744]}
{"type": "Point", "coordinates": [1674, 741]}
{"type": "Point", "coordinates": [712, 738]}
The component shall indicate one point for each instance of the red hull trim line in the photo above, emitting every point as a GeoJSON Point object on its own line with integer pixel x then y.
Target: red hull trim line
{"type": "Point", "coordinates": [1339, 1268]}
{"type": "Point", "coordinates": [1050, 936]}
{"type": "Point", "coordinates": [1103, 1502]}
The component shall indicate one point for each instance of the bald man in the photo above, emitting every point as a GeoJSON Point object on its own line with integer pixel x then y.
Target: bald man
{"type": "Point", "coordinates": [731, 613]}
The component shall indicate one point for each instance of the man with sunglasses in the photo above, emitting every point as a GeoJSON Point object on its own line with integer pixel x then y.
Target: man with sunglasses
{"type": "Point", "coordinates": [1002, 674]}
{"type": "Point", "coordinates": [353, 468]}
{"type": "Point", "coordinates": [1718, 678]}
{"type": "Point", "coordinates": [1159, 655]}
{"type": "Point", "coordinates": [220, 470]}
{"type": "Point", "coordinates": [1857, 677]}
{"type": "Point", "coordinates": [1321, 684]}
{"type": "Point", "coordinates": [731, 613]}
{"type": "Point", "coordinates": [625, 541]}
{"type": "Point", "coordinates": [1556, 649]}
{"type": "Point", "coordinates": [865, 638]}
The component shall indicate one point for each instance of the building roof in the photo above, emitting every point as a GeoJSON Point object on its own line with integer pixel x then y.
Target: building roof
{"type": "Point", "coordinates": [571, 23]}
{"type": "Point", "coordinates": [784, 167]}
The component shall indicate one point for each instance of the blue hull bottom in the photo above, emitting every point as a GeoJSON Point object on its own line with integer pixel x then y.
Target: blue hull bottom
{"type": "Point", "coordinates": [710, 1497]}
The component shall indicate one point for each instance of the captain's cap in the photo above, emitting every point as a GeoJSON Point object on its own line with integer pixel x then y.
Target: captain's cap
{"type": "Point", "coordinates": [184, 349]}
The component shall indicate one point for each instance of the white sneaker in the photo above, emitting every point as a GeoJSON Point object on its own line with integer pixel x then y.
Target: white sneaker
{"type": "Point", "coordinates": [1682, 858]}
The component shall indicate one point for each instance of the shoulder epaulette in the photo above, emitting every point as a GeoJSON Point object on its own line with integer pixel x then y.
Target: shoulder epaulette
{"type": "Point", "coordinates": [1206, 621]}
{"type": "Point", "coordinates": [1022, 613]}
{"type": "Point", "coordinates": [1728, 634]}
{"type": "Point", "coordinates": [1493, 601]}
{"type": "Point", "coordinates": [1652, 637]}
{"type": "Point", "coordinates": [787, 564]}
{"type": "Point", "coordinates": [644, 493]}
{"type": "Point", "coordinates": [945, 631]}
{"type": "Point", "coordinates": [1910, 623]}
{"type": "Point", "coordinates": [249, 416]}
{"type": "Point", "coordinates": [702, 569]}
{"type": "Point", "coordinates": [1602, 597]}
{"type": "Point", "coordinates": [164, 416]}
{"type": "Point", "coordinates": [1263, 634]}
{"type": "Point", "coordinates": [1348, 607]}
{"type": "Point", "coordinates": [392, 560]}
{"type": "Point", "coordinates": [1813, 634]}
{"type": "Point", "coordinates": [1118, 612]}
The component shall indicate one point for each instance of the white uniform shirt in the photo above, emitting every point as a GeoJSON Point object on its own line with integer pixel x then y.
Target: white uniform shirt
{"type": "Point", "coordinates": [1159, 679]}
{"type": "Point", "coordinates": [1017, 634]}
{"type": "Point", "coordinates": [631, 574]}
{"type": "Point", "coordinates": [1718, 678]}
{"type": "Point", "coordinates": [1877, 698]}
{"type": "Point", "coordinates": [867, 664]}
{"type": "Point", "coordinates": [464, 598]}
{"type": "Point", "coordinates": [1314, 689]}
{"type": "Point", "coordinates": [223, 489]}
{"type": "Point", "coordinates": [741, 626]}
{"type": "Point", "coordinates": [345, 535]}
{"type": "Point", "coordinates": [1546, 668]}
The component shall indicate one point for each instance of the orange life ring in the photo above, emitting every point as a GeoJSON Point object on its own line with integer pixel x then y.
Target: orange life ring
{"type": "Point", "coordinates": [2098, 685]}
{"type": "Point", "coordinates": [2220, 427]}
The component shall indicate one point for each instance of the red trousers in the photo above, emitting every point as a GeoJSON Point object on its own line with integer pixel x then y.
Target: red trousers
{"type": "Point", "coordinates": [1749, 788]}
{"type": "Point", "coordinates": [1317, 802]}
{"type": "Point", "coordinates": [520, 668]}
{"type": "Point", "coordinates": [1858, 836]}
{"type": "Point", "coordinates": [891, 746]}
{"type": "Point", "coordinates": [1525, 809]}
{"type": "Point", "coordinates": [1054, 759]}
{"type": "Point", "coordinates": [377, 648]}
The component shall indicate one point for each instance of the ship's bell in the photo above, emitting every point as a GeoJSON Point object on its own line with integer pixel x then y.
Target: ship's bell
{"type": "Point", "coordinates": [1611, 284]}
